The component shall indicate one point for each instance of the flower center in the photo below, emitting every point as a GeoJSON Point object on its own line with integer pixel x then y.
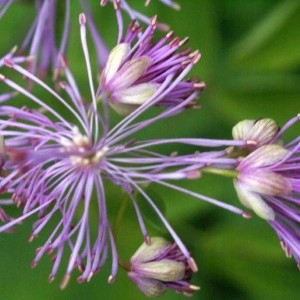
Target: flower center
{"type": "Point", "coordinates": [81, 150]}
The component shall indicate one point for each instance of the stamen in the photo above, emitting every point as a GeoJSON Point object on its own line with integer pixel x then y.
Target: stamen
{"type": "Point", "coordinates": [82, 19]}
{"type": "Point", "coordinates": [111, 279]}
{"type": "Point", "coordinates": [147, 240]}
{"type": "Point", "coordinates": [192, 264]}
{"type": "Point", "coordinates": [65, 281]}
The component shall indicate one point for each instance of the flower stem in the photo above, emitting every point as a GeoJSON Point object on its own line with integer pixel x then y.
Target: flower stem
{"type": "Point", "coordinates": [222, 172]}
{"type": "Point", "coordinates": [120, 214]}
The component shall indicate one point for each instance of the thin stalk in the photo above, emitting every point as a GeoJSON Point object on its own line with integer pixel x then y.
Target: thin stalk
{"type": "Point", "coordinates": [221, 172]}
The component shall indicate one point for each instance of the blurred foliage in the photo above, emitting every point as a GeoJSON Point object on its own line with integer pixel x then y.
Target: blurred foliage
{"type": "Point", "coordinates": [250, 63]}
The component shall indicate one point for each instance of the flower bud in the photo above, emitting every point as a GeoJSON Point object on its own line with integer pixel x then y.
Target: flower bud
{"type": "Point", "coordinates": [255, 202]}
{"type": "Point", "coordinates": [258, 177]}
{"type": "Point", "coordinates": [261, 131]}
{"type": "Point", "coordinates": [159, 266]}
{"type": "Point", "coordinates": [120, 80]}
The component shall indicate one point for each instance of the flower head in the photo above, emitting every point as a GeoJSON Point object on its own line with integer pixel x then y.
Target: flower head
{"type": "Point", "coordinates": [268, 183]}
{"type": "Point", "coordinates": [135, 72]}
{"type": "Point", "coordinates": [256, 177]}
{"type": "Point", "coordinates": [161, 265]}
{"type": "Point", "coordinates": [54, 167]}
{"type": "Point", "coordinates": [57, 154]}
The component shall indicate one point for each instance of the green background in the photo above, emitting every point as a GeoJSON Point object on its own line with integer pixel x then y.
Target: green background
{"type": "Point", "coordinates": [250, 63]}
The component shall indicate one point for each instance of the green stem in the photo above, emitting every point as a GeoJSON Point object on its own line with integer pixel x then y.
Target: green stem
{"type": "Point", "coordinates": [120, 214]}
{"type": "Point", "coordinates": [222, 172]}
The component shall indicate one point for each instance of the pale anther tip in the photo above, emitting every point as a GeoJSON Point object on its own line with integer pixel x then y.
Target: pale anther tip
{"type": "Point", "coordinates": [14, 49]}
{"type": "Point", "coordinates": [246, 215]}
{"type": "Point", "coordinates": [91, 274]}
{"type": "Point", "coordinates": [147, 240]}
{"type": "Point", "coordinates": [195, 56]}
{"type": "Point", "coordinates": [30, 58]}
{"type": "Point", "coordinates": [31, 238]}
{"type": "Point", "coordinates": [65, 281]}
{"type": "Point", "coordinates": [176, 6]}
{"type": "Point", "coordinates": [192, 264]}
{"type": "Point", "coordinates": [199, 85]}
{"type": "Point", "coordinates": [33, 264]}
{"type": "Point", "coordinates": [111, 279]}
{"type": "Point", "coordinates": [82, 19]}
{"type": "Point", "coordinates": [116, 4]}
{"type": "Point", "coordinates": [251, 142]}
{"type": "Point", "coordinates": [194, 287]}
{"type": "Point", "coordinates": [153, 20]}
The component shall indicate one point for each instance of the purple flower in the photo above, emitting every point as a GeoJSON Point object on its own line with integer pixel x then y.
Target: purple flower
{"type": "Point", "coordinates": [268, 182]}
{"type": "Point", "coordinates": [57, 168]}
{"type": "Point", "coordinates": [135, 71]}
{"type": "Point", "coordinates": [161, 265]}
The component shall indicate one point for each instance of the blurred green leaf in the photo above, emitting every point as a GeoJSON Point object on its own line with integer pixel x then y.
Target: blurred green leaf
{"type": "Point", "coordinates": [260, 257]}
{"type": "Point", "coordinates": [273, 43]}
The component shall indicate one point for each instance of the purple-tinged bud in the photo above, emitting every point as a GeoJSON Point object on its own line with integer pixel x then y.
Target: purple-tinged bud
{"type": "Point", "coordinates": [161, 265]}
{"type": "Point", "coordinates": [264, 156]}
{"type": "Point", "coordinates": [261, 131]}
{"type": "Point", "coordinates": [142, 72]}
{"type": "Point", "coordinates": [255, 202]}
{"type": "Point", "coordinates": [256, 178]}
{"type": "Point", "coordinates": [118, 80]}
{"type": "Point", "coordinates": [115, 58]}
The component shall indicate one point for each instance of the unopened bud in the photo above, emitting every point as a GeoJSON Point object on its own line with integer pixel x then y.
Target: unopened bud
{"type": "Point", "coordinates": [261, 131]}
{"type": "Point", "coordinates": [158, 266]}
{"type": "Point", "coordinates": [120, 80]}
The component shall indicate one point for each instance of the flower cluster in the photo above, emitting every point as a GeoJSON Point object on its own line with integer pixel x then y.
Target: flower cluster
{"type": "Point", "coordinates": [135, 75]}
{"type": "Point", "coordinates": [53, 167]}
{"type": "Point", "coordinates": [268, 179]}
{"type": "Point", "coordinates": [60, 151]}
